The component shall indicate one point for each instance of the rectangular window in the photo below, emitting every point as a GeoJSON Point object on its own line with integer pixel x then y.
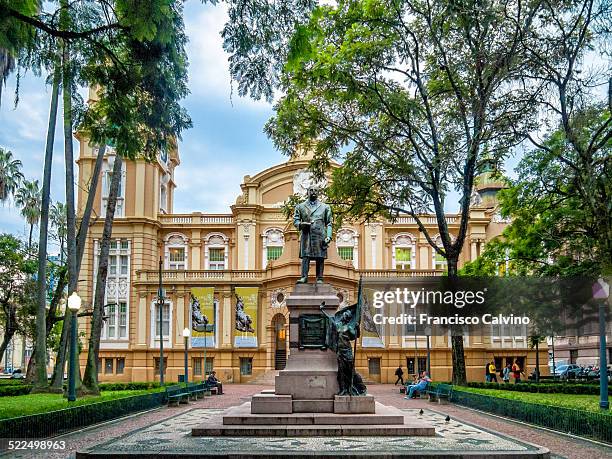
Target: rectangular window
{"type": "Point", "coordinates": [120, 365]}
{"type": "Point", "coordinates": [197, 366]}
{"type": "Point", "coordinates": [165, 320]}
{"type": "Point", "coordinates": [124, 264]}
{"type": "Point", "coordinates": [176, 257]}
{"type": "Point", "coordinates": [403, 258]}
{"type": "Point", "coordinates": [346, 253]}
{"type": "Point", "coordinates": [112, 265]}
{"type": "Point", "coordinates": [124, 244]}
{"type": "Point", "coordinates": [111, 321]}
{"type": "Point", "coordinates": [374, 365]}
{"type": "Point", "coordinates": [99, 365]}
{"type": "Point", "coordinates": [274, 253]}
{"type": "Point", "coordinates": [208, 368]}
{"type": "Point", "coordinates": [122, 320]}
{"type": "Point", "coordinates": [156, 363]}
{"type": "Point", "coordinates": [573, 355]}
{"type": "Point", "coordinates": [422, 364]}
{"type": "Point", "coordinates": [440, 261]}
{"type": "Point", "coordinates": [246, 366]}
{"type": "Point", "coordinates": [216, 258]}
{"type": "Point", "coordinates": [410, 365]}
{"type": "Point", "coordinates": [108, 366]}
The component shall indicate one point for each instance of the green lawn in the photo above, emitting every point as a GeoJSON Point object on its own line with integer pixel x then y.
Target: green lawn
{"type": "Point", "coordinates": [23, 405]}
{"type": "Point", "coordinates": [580, 402]}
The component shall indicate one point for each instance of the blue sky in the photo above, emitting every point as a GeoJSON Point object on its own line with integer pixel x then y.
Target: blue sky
{"type": "Point", "coordinates": [225, 144]}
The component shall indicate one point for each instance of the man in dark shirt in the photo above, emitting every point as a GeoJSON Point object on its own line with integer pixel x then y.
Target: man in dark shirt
{"type": "Point", "coordinates": [212, 381]}
{"type": "Point", "coordinates": [400, 375]}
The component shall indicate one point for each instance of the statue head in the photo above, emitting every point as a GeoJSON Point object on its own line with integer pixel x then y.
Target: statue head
{"type": "Point", "coordinates": [346, 317]}
{"type": "Point", "coordinates": [313, 193]}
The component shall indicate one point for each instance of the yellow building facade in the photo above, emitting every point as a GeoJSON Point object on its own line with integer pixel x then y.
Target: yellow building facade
{"type": "Point", "coordinates": [217, 258]}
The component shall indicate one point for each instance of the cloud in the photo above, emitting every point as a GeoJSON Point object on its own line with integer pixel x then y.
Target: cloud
{"type": "Point", "coordinates": [208, 65]}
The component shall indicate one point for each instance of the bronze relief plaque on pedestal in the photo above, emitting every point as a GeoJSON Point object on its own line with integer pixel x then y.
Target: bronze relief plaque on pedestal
{"type": "Point", "coordinates": [312, 331]}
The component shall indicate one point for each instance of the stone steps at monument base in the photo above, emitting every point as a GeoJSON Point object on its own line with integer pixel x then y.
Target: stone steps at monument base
{"type": "Point", "coordinates": [218, 429]}
{"type": "Point", "coordinates": [313, 406]}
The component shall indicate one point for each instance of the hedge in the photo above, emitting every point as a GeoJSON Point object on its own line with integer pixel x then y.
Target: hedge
{"type": "Point", "coordinates": [14, 389]}
{"type": "Point", "coordinates": [544, 388]}
{"type": "Point", "coordinates": [56, 422]}
{"type": "Point", "coordinates": [567, 420]}
{"type": "Point", "coordinates": [128, 386]}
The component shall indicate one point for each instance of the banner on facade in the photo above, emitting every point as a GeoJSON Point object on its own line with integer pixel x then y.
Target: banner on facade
{"type": "Point", "coordinates": [246, 317]}
{"type": "Point", "coordinates": [203, 310]}
{"type": "Point", "coordinates": [369, 332]}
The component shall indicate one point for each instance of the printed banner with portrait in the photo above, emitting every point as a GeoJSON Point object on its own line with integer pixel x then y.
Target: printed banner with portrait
{"type": "Point", "coordinates": [245, 334]}
{"type": "Point", "coordinates": [203, 308]}
{"type": "Point", "coordinates": [369, 331]}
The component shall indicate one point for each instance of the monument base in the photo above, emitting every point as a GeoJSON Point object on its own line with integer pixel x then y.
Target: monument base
{"type": "Point", "coordinates": [384, 421]}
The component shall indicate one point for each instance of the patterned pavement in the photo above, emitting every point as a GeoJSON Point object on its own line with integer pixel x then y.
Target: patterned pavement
{"type": "Point", "coordinates": [561, 446]}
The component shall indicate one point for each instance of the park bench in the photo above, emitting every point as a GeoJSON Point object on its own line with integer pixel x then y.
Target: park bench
{"type": "Point", "coordinates": [440, 393]}
{"type": "Point", "coordinates": [177, 394]}
{"type": "Point", "coordinates": [196, 390]}
{"type": "Point", "coordinates": [210, 388]}
{"type": "Point", "coordinates": [404, 389]}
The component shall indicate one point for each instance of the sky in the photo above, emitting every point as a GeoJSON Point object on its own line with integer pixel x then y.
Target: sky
{"type": "Point", "coordinates": [225, 144]}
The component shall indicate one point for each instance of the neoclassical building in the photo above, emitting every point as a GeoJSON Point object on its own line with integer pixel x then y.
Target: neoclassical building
{"type": "Point", "coordinates": [249, 255]}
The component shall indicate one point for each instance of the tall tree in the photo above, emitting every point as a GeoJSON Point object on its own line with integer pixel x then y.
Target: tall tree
{"type": "Point", "coordinates": [415, 98]}
{"type": "Point", "coordinates": [10, 174]}
{"type": "Point", "coordinates": [15, 267]}
{"type": "Point", "coordinates": [57, 217]}
{"type": "Point", "coordinates": [28, 199]}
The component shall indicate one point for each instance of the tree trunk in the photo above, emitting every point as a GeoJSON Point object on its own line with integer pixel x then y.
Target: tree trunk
{"type": "Point", "coordinates": [58, 371]}
{"type": "Point", "coordinates": [458, 355]}
{"type": "Point", "coordinates": [40, 346]}
{"type": "Point", "coordinates": [537, 370]}
{"type": "Point", "coordinates": [70, 206]}
{"type": "Point", "coordinates": [90, 379]}
{"type": "Point", "coordinates": [30, 239]}
{"type": "Point", "coordinates": [10, 327]}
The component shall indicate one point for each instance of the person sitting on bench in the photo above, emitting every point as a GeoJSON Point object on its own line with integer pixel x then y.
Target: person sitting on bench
{"type": "Point", "coordinates": [419, 386]}
{"type": "Point", "coordinates": [212, 381]}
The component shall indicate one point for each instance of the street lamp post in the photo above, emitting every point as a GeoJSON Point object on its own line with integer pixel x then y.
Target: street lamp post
{"type": "Point", "coordinates": [74, 304]}
{"type": "Point", "coordinates": [601, 291]}
{"type": "Point", "coordinates": [160, 303]}
{"type": "Point", "coordinates": [186, 334]}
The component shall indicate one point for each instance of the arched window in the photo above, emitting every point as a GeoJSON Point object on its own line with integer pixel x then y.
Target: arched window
{"type": "Point", "coordinates": [347, 244]}
{"type": "Point", "coordinates": [107, 176]}
{"type": "Point", "coordinates": [273, 241]}
{"type": "Point", "coordinates": [437, 260]}
{"type": "Point", "coordinates": [176, 251]}
{"type": "Point", "coordinates": [216, 251]}
{"type": "Point", "coordinates": [403, 252]}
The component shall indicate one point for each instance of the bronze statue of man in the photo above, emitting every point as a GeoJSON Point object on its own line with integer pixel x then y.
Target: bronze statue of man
{"type": "Point", "coordinates": [314, 220]}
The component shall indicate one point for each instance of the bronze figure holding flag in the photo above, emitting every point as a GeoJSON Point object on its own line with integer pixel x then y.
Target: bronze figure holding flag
{"type": "Point", "coordinates": [342, 328]}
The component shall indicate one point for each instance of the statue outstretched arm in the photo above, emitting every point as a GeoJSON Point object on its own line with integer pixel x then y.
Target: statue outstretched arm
{"type": "Point", "coordinates": [322, 308]}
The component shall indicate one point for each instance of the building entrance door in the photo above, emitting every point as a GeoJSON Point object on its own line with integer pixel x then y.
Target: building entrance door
{"type": "Point", "coordinates": [280, 342]}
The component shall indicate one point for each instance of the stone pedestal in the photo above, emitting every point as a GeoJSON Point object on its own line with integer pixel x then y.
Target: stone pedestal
{"type": "Point", "coordinates": [304, 402]}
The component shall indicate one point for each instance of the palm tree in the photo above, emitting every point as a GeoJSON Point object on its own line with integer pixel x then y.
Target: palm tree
{"type": "Point", "coordinates": [10, 174]}
{"type": "Point", "coordinates": [28, 197]}
{"type": "Point", "coordinates": [57, 216]}
{"type": "Point", "coordinates": [7, 65]}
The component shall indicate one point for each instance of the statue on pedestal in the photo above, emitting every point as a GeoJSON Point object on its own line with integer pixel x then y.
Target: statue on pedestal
{"type": "Point", "coordinates": [314, 221]}
{"type": "Point", "coordinates": [343, 327]}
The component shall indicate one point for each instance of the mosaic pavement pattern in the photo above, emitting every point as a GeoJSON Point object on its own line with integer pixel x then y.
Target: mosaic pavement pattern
{"type": "Point", "coordinates": [173, 437]}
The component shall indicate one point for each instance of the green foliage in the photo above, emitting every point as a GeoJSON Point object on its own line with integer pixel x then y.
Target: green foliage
{"type": "Point", "coordinates": [575, 401]}
{"type": "Point", "coordinates": [10, 174]}
{"type": "Point", "coordinates": [541, 388]}
{"type": "Point", "coordinates": [11, 390]}
{"type": "Point", "coordinates": [128, 386]}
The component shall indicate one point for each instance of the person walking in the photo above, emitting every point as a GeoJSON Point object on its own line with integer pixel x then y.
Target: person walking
{"type": "Point", "coordinates": [506, 373]}
{"type": "Point", "coordinates": [516, 371]}
{"type": "Point", "coordinates": [492, 375]}
{"type": "Point", "coordinates": [487, 374]}
{"type": "Point", "coordinates": [400, 375]}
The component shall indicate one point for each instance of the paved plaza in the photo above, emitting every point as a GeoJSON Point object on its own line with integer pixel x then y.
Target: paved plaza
{"type": "Point", "coordinates": [468, 431]}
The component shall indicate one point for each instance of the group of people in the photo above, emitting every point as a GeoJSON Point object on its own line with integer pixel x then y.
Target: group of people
{"type": "Point", "coordinates": [514, 370]}
{"type": "Point", "coordinates": [418, 385]}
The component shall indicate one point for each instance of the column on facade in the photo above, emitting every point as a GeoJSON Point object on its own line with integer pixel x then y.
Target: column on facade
{"type": "Point", "coordinates": [425, 260]}
{"type": "Point", "coordinates": [246, 245]}
{"type": "Point", "coordinates": [195, 244]}
{"type": "Point", "coordinates": [373, 245]}
{"type": "Point", "coordinates": [225, 307]}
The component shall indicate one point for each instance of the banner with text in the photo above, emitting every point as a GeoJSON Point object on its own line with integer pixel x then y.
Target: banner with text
{"type": "Point", "coordinates": [246, 316]}
{"type": "Point", "coordinates": [203, 316]}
